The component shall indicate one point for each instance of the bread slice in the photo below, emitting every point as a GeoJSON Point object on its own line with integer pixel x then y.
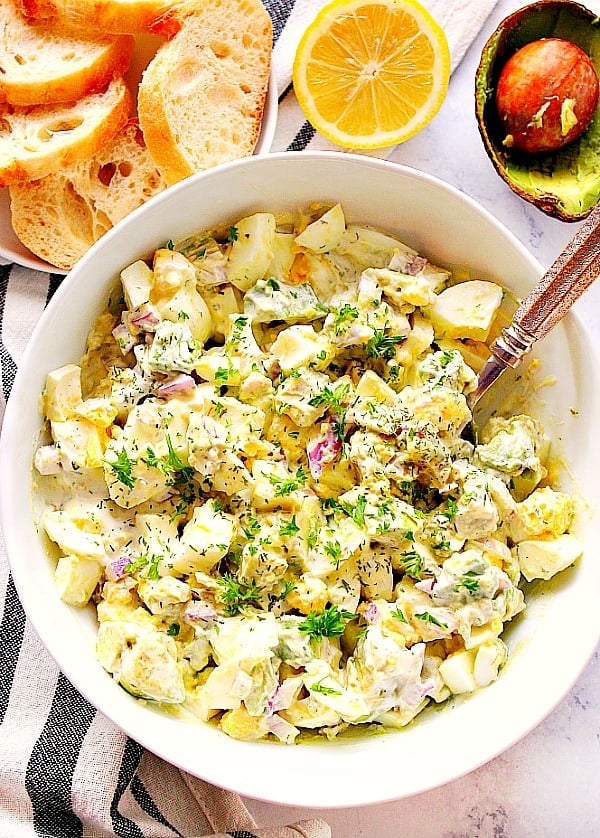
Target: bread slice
{"type": "Point", "coordinates": [201, 99]}
{"type": "Point", "coordinates": [37, 141]}
{"type": "Point", "coordinates": [41, 65]}
{"type": "Point", "coordinates": [116, 16]}
{"type": "Point", "coordinates": [60, 216]}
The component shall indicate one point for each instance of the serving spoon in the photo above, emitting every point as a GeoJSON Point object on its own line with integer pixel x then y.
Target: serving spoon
{"type": "Point", "coordinates": [572, 273]}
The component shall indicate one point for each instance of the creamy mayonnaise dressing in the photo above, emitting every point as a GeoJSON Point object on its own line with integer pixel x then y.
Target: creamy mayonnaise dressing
{"type": "Point", "coordinates": [266, 490]}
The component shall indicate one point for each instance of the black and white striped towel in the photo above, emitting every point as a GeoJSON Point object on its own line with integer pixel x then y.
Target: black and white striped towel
{"type": "Point", "coordinates": [65, 770]}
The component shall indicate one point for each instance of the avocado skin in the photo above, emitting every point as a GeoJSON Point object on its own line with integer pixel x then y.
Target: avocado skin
{"type": "Point", "coordinates": [564, 184]}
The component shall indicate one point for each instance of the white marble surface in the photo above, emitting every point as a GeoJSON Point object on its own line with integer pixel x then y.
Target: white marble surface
{"type": "Point", "coordinates": [546, 785]}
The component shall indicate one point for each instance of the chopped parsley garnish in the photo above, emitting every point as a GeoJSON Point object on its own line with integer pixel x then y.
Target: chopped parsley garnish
{"type": "Point", "coordinates": [273, 284]}
{"type": "Point", "coordinates": [333, 550]}
{"type": "Point", "coordinates": [173, 630]}
{"type": "Point", "coordinates": [319, 687]}
{"type": "Point", "coordinates": [312, 538]}
{"type": "Point", "coordinates": [451, 509]}
{"type": "Point", "coordinates": [176, 469]}
{"type": "Point", "coordinates": [237, 593]}
{"type": "Point", "coordinates": [288, 587]}
{"type": "Point", "coordinates": [123, 468]}
{"type": "Point", "coordinates": [357, 513]}
{"type": "Point", "coordinates": [252, 527]}
{"type": "Point", "coordinates": [178, 475]}
{"type": "Point", "coordinates": [152, 572]}
{"type": "Point", "coordinates": [237, 332]}
{"type": "Point", "coordinates": [399, 615]}
{"type": "Point", "coordinates": [131, 567]}
{"type": "Point", "coordinates": [469, 581]}
{"type": "Point", "coordinates": [445, 358]}
{"type": "Point", "coordinates": [150, 563]}
{"type": "Point", "coordinates": [330, 622]}
{"type": "Point", "coordinates": [222, 375]}
{"type": "Point", "coordinates": [429, 618]}
{"type": "Point", "coordinates": [287, 485]}
{"type": "Point", "coordinates": [151, 460]}
{"type": "Point", "coordinates": [382, 345]}
{"type": "Point", "coordinates": [412, 564]}
{"type": "Point", "coordinates": [232, 235]}
{"type": "Point", "coordinates": [332, 398]}
{"type": "Point", "coordinates": [346, 315]}
{"type": "Point", "coordinates": [289, 528]}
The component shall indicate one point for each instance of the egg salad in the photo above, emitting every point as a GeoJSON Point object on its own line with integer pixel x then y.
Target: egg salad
{"type": "Point", "coordinates": [258, 474]}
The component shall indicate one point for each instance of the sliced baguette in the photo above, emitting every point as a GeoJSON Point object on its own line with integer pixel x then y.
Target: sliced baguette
{"type": "Point", "coordinates": [41, 65]}
{"type": "Point", "coordinates": [201, 99]}
{"type": "Point", "coordinates": [116, 16]}
{"type": "Point", "coordinates": [60, 216]}
{"type": "Point", "coordinates": [37, 141]}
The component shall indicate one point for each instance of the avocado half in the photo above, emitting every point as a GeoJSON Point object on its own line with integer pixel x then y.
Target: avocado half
{"type": "Point", "coordinates": [565, 183]}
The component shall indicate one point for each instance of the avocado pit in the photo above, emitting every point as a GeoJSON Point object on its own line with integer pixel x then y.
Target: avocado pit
{"type": "Point", "coordinates": [537, 106]}
{"type": "Point", "coordinates": [546, 95]}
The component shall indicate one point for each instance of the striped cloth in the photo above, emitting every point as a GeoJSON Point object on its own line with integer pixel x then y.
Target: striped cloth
{"type": "Point", "coordinates": [65, 770]}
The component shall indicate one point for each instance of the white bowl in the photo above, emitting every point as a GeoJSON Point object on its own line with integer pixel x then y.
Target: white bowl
{"type": "Point", "coordinates": [13, 250]}
{"type": "Point", "coordinates": [550, 644]}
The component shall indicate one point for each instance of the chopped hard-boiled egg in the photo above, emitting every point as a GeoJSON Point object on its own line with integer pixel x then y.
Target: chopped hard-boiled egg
{"type": "Point", "coordinates": [543, 559]}
{"type": "Point", "coordinates": [257, 474]}
{"type": "Point", "coordinates": [465, 310]}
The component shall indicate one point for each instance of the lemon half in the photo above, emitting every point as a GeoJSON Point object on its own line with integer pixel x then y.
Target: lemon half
{"type": "Point", "coordinates": [371, 74]}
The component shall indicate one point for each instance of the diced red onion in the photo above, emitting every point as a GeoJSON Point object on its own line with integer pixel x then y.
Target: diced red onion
{"type": "Point", "coordinates": [415, 265]}
{"type": "Point", "coordinates": [413, 693]}
{"type": "Point", "coordinates": [199, 612]}
{"type": "Point", "coordinates": [323, 452]}
{"type": "Point", "coordinates": [115, 569]}
{"type": "Point", "coordinates": [281, 729]}
{"type": "Point", "coordinates": [283, 695]}
{"type": "Point", "coordinates": [407, 263]}
{"type": "Point", "coordinates": [212, 274]}
{"type": "Point", "coordinates": [145, 317]}
{"type": "Point", "coordinates": [371, 613]}
{"type": "Point", "coordinates": [177, 386]}
{"type": "Point", "coordinates": [426, 585]}
{"type": "Point", "coordinates": [427, 686]}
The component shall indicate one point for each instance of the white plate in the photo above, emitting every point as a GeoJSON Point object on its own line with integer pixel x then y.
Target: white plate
{"type": "Point", "coordinates": [12, 250]}
{"type": "Point", "coordinates": [550, 644]}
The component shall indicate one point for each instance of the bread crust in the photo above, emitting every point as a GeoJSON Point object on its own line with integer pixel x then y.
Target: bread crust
{"type": "Point", "coordinates": [39, 140]}
{"type": "Point", "coordinates": [42, 64]}
{"type": "Point", "coordinates": [201, 99]}
{"type": "Point", "coordinates": [115, 16]}
{"type": "Point", "coordinates": [60, 216]}
{"type": "Point", "coordinates": [200, 103]}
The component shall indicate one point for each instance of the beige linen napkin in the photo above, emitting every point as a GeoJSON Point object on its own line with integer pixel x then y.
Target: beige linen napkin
{"type": "Point", "coordinates": [66, 770]}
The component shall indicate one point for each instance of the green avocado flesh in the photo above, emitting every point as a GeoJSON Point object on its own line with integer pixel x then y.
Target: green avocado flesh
{"type": "Point", "coordinates": [564, 183]}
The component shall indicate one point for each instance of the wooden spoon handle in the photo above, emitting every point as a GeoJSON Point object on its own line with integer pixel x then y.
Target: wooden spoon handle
{"type": "Point", "coordinates": [564, 282]}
